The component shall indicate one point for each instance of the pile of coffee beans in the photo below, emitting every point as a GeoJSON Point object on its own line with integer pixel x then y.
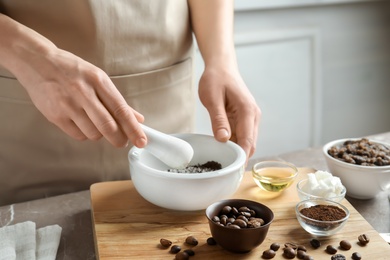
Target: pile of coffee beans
{"type": "Point", "coordinates": [242, 217]}
{"type": "Point", "coordinates": [361, 152]}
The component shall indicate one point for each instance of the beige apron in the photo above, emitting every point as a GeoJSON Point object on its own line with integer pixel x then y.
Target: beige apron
{"type": "Point", "coordinates": [145, 47]}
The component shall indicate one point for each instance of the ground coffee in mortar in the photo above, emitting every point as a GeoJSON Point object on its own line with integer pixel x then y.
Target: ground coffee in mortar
{"type": "Point", "coordinates": [209, 166]}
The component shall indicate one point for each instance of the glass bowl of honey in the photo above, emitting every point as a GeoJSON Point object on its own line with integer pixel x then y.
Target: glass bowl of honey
{"type": "Point", "coordinates": [274, 176]}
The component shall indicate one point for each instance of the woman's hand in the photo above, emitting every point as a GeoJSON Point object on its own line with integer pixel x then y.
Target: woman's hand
{"type": "Point", "coordinates": [233, 111]}
{"type": "Point", "coordinates": [71, 93]}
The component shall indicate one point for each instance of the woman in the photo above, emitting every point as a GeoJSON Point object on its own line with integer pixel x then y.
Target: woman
{"type": "Point", "coordinates": [93, 70]}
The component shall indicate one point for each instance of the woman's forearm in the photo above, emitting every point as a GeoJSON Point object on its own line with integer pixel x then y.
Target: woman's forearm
{"type": "Point", "coordinates": [212, 23]}
{"type": "Point", "coordinates": [20, 45]}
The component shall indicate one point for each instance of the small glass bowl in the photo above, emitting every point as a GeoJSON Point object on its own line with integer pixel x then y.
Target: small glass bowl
{"type": "Point", "coordinates": [274, 176]}
{"type": "Point", "coordinates": [304, 195]}
{"type": "Point", "coordinates": [318, 227]}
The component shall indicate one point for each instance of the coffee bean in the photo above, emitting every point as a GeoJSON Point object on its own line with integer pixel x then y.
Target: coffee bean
{"type": "Point", "coordinates": [338, 257]}
{"type": "Point", "coordinates": [182, 256]}
{"type": "Point", "coordinates": [345, 244]}
{"type": "Point", "coordinates": [315, 243]}
{"type": "Point", "coordinates": [190, 252]}
{"type": "Point", "coordinates": [301, 247]}
{"type": "Point", "coordinates": [191, 240]}
{"type": "Point", "coordinates": [211, 241]}
{"type": "Point", "coordinates": [356, 256]}
{"type": "Point", "coordinates": [301, 254]}
{"type": "Point", "coordinates": [165, 242]}
{"type": "Point", "coordinates": [331, 249]}
{"type": "Point", "coordinates": [246, 214]}
{"type": "Point", "coordinates": [269, 254]}
{"type": "Point", "coordinates": [243, 218]}
{"type": "Point", "coordinates": [216, 219]}
{"type": "Point", "coordinates": [244, 209]}
{"type": "Point", "coordinates": [308, 257]}
{"type": "Point", "coordinates": [241, 223]}
{"type": "Point", "coordinates": [255, 223]}
{"type": "Point", "coordinates": [363, 239]}
{"type": "Point", "coordinates": [292, 245]}
{"type": "Point", "coordinates": [288, 252]}
{"type": "Point", "coordinates": [230, 220]}
{"type": "Point", "coordinates": [253, 213]}
{"type": "Point", "coordinates": [175, 249]}
{"type": "Point", "coordinates": [275, 246]}
{"type": "Point", "coordinates": [226, 210]}
{"type": "Point", "coordinates": [234, 211]}
{"type": "Point", "coordinates": [233, 226]}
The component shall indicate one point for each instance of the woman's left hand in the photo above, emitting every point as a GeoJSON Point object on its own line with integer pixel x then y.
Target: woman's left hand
{"type": "Point", "coordinates": [233, 111]}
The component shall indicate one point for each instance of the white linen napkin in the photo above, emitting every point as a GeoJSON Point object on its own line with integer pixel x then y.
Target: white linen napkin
{"type": "Point", "coordinates": [23, 242]}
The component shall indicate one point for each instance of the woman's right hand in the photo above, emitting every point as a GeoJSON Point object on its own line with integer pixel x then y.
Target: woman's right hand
{"type": "Point", "coordinates": [71, 93]}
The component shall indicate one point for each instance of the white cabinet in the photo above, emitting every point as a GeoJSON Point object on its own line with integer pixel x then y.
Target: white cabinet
{"type": "Point", "coordinates": [314, 70]}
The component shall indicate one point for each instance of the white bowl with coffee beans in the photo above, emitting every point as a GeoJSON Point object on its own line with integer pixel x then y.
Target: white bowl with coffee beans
{"type": "Point", "coordinates": [214, 173]}
{"type": "Point", "coordinates": [363, 165]}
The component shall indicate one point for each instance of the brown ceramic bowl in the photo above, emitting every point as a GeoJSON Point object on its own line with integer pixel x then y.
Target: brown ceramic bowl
{"type": "Point", "coordinates": [239, 240]}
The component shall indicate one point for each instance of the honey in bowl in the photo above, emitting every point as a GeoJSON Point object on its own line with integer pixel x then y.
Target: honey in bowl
{"type": "Point", "coordinates": [274, 176]}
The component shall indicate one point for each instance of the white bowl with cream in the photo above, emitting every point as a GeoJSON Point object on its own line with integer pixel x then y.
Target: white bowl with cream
{"type": "Point", "coordinates": [321, 185]}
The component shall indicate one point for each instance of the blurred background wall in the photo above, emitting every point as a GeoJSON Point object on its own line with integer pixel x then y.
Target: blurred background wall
{"type": "Point", "coordinates": [320, 70]}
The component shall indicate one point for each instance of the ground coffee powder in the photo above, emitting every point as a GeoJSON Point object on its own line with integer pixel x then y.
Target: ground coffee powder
{"type": "Point", "coordinates": [324, 212]}
{"type": "Point", "coordinates": [198, 168]}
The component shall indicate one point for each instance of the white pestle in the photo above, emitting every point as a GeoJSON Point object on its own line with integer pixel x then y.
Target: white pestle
{"type": "Point", "coordinates": [172, 151]}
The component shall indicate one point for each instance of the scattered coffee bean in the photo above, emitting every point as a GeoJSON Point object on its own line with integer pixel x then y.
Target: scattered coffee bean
{"type": "Point", "coordinates": [301, 254]}
{"type": "Point", "coordinates": [338, 257]}
{"type": "Point", "coordinates": [292, 245]}
{"type": "Point", "coordinates": [356, 256]}
{"type": "Point", "coordinates": [191, 240]}
{"type": "Point", "coordinates": [308, 257]}
{"type": "Point", "coordinates": [165, 242]}
{"type": "Point", "coordinates": [275, 246]}
{"type": "Point", "coordinates": [331, 249]}
{"type": "Point", "coordinates": [175, 249]}
{"type": "Point", "coordinates": [269, 254]}
{"type": "Point", "coordinates": [182, 256]}
{"type": "Point", "coordinates": [211, 241]}
{"type": "Point", "coordinates": [315, 243]}
{"type": "Point", "coordinates": [363, 239]}
{"type": "Point", "coordinates": [289, 252]}
{"type": "Point", "coordinates": [345, 244]}
{"type": "Point", "coordinates": [302, 248]}
{"type": "Point", "coordinates": [190, 252]}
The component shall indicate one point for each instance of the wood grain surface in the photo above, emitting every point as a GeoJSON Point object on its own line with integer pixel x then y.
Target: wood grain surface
{"type": "Point", "coordinates": [128, 227]}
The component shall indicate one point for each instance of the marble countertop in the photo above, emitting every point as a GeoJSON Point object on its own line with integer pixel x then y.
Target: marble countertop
{"type": "Point", "coordinates": [73, 213]}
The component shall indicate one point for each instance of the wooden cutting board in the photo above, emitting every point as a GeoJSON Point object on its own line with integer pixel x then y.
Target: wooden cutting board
{"type": "Point", "coordinates": [128, 227]}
